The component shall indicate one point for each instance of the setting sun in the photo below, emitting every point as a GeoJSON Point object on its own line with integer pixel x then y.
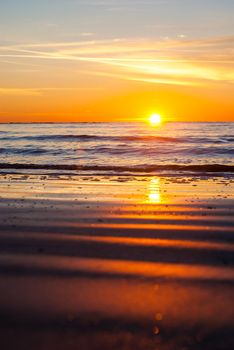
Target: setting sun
{"type": "Point", "coordinates": [155, 119]}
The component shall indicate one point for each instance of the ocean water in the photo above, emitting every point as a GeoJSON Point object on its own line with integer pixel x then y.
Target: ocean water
{"type": "Point", "coordinates": [117, 148]}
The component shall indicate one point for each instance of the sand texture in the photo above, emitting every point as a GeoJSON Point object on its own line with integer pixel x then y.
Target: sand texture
{"type": "Point", "coordinates": [94, 262]}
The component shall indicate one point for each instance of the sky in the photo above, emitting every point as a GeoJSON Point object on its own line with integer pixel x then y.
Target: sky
{"type": "Point", "coordinates": [116, 60]}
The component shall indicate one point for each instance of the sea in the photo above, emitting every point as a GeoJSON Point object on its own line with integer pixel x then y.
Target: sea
{"type": "Point", "coordinates": [117, 148]}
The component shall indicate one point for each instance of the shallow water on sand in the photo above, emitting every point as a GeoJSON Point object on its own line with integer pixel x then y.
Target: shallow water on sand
{"type": "Point", "coordinates": [116, 262]}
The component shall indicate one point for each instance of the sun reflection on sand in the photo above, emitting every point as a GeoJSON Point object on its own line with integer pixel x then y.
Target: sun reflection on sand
{"type": "Point", "coordinates": [109, 258]}
{"type": "Point", "coordinates": [154, 194]}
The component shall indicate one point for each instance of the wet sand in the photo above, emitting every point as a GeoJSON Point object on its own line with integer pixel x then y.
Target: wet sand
{"type": "Point", "coordinates": [105, 262]}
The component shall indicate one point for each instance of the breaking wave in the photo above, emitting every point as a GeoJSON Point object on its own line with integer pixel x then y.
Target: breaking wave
{"type": "Point", "coordinates": [201, 168]}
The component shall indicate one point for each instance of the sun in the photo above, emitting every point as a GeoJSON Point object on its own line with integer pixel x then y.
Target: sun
{"type": "Point", "coordinates": [155, 119]}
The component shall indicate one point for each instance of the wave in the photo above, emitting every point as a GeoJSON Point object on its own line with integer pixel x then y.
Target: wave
{"type": "Point", "coordinates": [24, 151]}
{"type": "Point", "coordinates": [200, 168]}
{"type": "Point", "coordinates": [118, 138]}
{"type": "Point", "coordinates": [120, 149]}
{"type": "Point", "coordinates": [75, 137]}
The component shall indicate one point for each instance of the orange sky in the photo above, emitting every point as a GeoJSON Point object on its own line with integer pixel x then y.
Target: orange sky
{"type": "Point", "coordinates": [102, 75]}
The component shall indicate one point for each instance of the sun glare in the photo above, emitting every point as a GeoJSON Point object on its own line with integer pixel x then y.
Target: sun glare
{"type": "Point", "coordinates": [155, 119]}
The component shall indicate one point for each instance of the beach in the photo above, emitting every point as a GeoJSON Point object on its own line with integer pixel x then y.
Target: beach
{"type": "Point", "coordinates": [116, 262]}
{"type": "Point", "coordinates": [117, 175]}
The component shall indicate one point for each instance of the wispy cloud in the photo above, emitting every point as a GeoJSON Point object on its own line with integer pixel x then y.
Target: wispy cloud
{"type": "Point", "coordinates": [179, 62]}
{"type": "Point", "coordinates": [40, 90]}
{"type": "Point", "coordinates": [19, 92]}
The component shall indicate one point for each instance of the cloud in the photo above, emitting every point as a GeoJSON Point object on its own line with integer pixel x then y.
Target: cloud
{"type": "Point", "coordinates": [40, 90]}
{"type": "Point", "coordinates": [179, 61]}
{"type": "Point", "coordinates": [19, 92]}
{"type": "Point", "coordinates": [86, 34]}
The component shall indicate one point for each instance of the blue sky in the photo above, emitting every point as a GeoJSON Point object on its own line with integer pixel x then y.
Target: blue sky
{"type": "Point", "coordinates": [30, 20]}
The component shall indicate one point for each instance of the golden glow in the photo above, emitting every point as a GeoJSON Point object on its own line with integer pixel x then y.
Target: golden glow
{"type": "Point", "coordinates": [154, 195]}
{"type": "Point", "coordinates": [155, 119]}
{"type": "Point", "coordinates": [117, 80]}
